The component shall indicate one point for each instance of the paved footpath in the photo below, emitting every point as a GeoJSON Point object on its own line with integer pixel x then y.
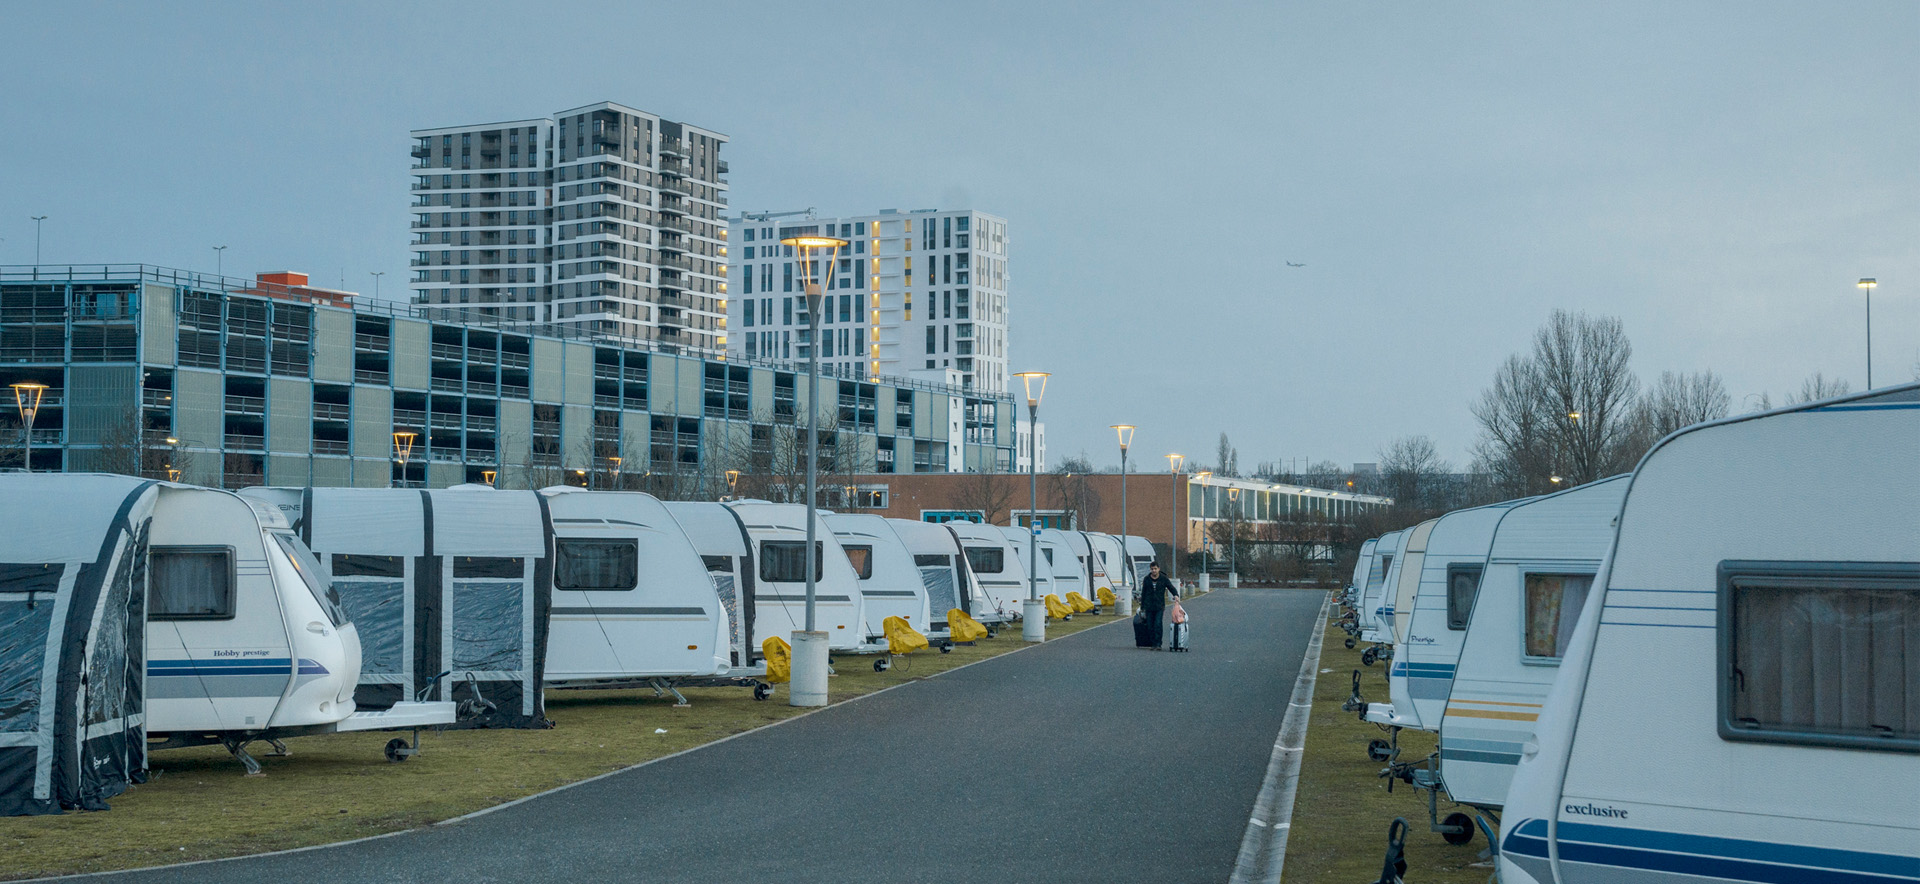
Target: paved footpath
{"type": "Point", "coordinates": [1078, 760]}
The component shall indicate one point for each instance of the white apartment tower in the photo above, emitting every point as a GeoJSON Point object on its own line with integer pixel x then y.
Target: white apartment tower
{"type": "Point", "coordinates": [601, 220]}
{"type": "Point", "coordinates": [912, 291]}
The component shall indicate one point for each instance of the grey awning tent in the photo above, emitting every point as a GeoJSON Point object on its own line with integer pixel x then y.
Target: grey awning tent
{"type": "Point", "coordinates": [72, 639]}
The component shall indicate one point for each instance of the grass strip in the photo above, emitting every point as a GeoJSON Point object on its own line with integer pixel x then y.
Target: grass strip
{"type": "Point", "coordinates": [339, 787]}
{"type": "Point", "coordinates": [1342, 808]}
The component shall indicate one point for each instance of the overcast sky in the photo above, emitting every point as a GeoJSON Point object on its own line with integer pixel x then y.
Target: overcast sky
{"type": "Point", "coordinates": [1716, 175]}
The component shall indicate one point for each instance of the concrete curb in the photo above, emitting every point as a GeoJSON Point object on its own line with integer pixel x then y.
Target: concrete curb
{"type": "Point", "coordinates": [1263, 849]}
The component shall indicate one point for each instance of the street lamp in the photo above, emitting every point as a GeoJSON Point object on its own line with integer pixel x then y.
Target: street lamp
{"type": "Point", "coordinates": [1233, 554]}
{"type": "Point", "coordinates": [1033, 612]}
{"type": "Point", "coordinates": [1868, 285]}
{"type": "Point", "coordinates": [1123, 602]}
{"type": "Point", "coordinates": [808, 684]}
{"type": "Point", "coordinates": [220, 262]}
{"type": "Point", "coordinates": [1205, 575]}
{"type": "Point", "coordinates": [26, 399]}
{"type": "Point", "coordinates": [846, 496]}
{"type": "Point", "coordinates": [487, 476]}
{"type": "Point", "coordinates": [376, 274]}
{"type": "Point", "coordinates": [403, 449]}
{"type": "Point", "coordinates": [36, 237]}
{"type": "Point", "coordinates": [616, 472]}
{"type": "Point", "coordinates": [1173, 540]}
{"type": "Point", "coordinates": [733, 483]}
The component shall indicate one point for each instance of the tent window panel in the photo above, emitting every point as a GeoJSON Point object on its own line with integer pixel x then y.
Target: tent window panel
{"type": "Point", "coordinates": [368, 566]}
{"type": "Point", "coordinates": [377, 608]}
{"type": "Point", "coordinates": [596, 565]}
{"type": "Point", "coordinates": [1553, 607]}
{"type": "Point", "coordinates": [723, 586]}
{"type": "Point", "coordinates": [861, 557]}
{"type": "Point", "coordinates": [718, 564]}
{"type": "Point", "coordinates": [1827, 659]}
{"type": "Point", "coordinates": [487, 626]}
{"type": "Point", "coordinates": [190, 583]}
{"type": "Point", "coordinates": [987, 560]}
{"type": "Point", "coordinates": [482, 567]}
{"type": "Point", "coordinates": [785, 561]}
{"type": "Point", "coordinates": [940, 593]}
{"type": "Point", "coordinates": [1463, 583]}
{"type": "Point", "coordinates": [23, 654]}
{"type": "Point", "coordinates": [932, 561]}
{"type": "Point", "coordinates": [107, 663]}
{"type": "Point", "coordinates": [32, 578]}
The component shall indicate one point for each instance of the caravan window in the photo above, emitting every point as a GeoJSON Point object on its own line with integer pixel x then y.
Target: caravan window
{"type": "Point", "coordinates": [1048, 552]}
{"type": "Point", "coordinates": [785, 561]}
{"type": "Point", "coordinates": [1553, 607]}
{"type": "Point", "coordinates": [190, 583]}
{"type": "Point", "coordinates": [718, 564]}
{"type": "Point", "coordinates": [1463, 583]}
{"type": "Point", "coordinates": [309, 570]}
{"type": "Point", "coordinates": [1822, 654]}
{"type": "Point", "coordinates": [588, 565]}
{"type": "Point", "coordinates": [987, 560]}
{"type": "Point", "coordinates": [861, 557]}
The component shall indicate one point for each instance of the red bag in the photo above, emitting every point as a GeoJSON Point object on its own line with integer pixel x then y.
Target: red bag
{"type": "Point", "coordinates": [1179, 614]}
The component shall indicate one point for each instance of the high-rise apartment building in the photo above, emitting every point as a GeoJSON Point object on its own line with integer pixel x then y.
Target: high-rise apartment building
{"type": "Point", "coordinates": [600, 220]}
{"type": "Point", "coordinates": [913, 291]}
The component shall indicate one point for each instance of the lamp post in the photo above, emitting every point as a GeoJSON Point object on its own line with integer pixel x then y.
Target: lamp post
{"type": "Point", "coordinates": [26, 399]}
{"type": "Point", "coordinates": [220, 262]}
{"type": "Point", "coordinates": [1033, 612]}
{"type": "Point", "coordinates": [376, 274]}
{"type": "Point", "coordinates": [733, 483]}
{"type": "Point", "coordinates": [403, 449]}
{"type": "Point", "coordinates": [1205, 580]}
{"type": "Point", "coordinates": [616, 471]}
{"type": "Point", "coordinates": [1233, 548]}
{"type": "Point", "coordinates": [1123, 603]}
{"type": "Point", "coordinates": [808, 686]}
{"type": "Point", "coordinates": [1868, 285]}
{"type": "Point", "coordinates": [1173, 539]}
{"type": "Point", "coordinates": [36, 237]}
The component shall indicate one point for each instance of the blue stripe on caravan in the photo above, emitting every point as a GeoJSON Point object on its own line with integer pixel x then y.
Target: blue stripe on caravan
{"type": "Point", "coordinates": [1422, 670]}
{"type": "Point", "coordinates": [1527, 839]}
{"type": "Point", "coordinates": [253, 666]}
{"type": "Point", "coordinates": [1902, 868]}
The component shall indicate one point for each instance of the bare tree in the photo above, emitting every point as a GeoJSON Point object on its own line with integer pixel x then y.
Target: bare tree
{"type": "Point", "coordinates": [1818, 386]}
{"type": "Point", "coordinates": [1228, 463]}
{"type": "Point", "coordinates": [990, 493]}
{"type": "Point", "coordinates": [1079, 501]}
{"type": "Point", "coordinates": [1415, 475]}
{"type": "Point", "coordinates": [1681, 400]}
{"type": "Point", "coordinates": [1566, 409]}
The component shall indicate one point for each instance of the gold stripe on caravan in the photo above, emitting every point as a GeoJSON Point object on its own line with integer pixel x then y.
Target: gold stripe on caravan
{"type": "Point", "coordinates": [1489, 713]}
{"type": "Point", "coordinates": [1498, 703]}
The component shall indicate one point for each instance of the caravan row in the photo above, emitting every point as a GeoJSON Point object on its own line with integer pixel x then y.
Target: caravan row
{"type": "Point", "coordinates": [1705, 670]}
{"type": "Point", "coordinates": [203, 616]}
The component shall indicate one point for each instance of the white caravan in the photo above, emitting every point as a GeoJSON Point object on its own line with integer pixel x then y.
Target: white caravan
{"type": "Point", "coordinates": [1356, 588]}
{"type": "Point", "coordinates": [1540, 566]}
{"type": "Point", "coordinates": [890, 584]}
{"type": "Point", "coordinates": [451, 590]}
{"type": "Point", "coordinates": [942, 565]}
{"type": "Point", "coordinates": [1372, 603]}
{"type": "Point", "coordinates": [1140, 554]}
{"type": "Point", "coordinates": [1424, 658]}
{"type": "Point", "coordinates": [1047, 582]}
{"type": "Point", "coordinates": [1002, 586]}
{"type": "Point", "coordinates": [1111, 553]}
{"type": "Point", "coordinates": [73, 590]}
{"type": "Point", "coordinates": [1069, 570]}
{"type": "Point", "coordinates": [716, 536]}
{"type": "Point", "coordinates": [1741, 700]}
{"type": "Point", "coordinates": [245, 640]}
{"type": "Point", "coordinates": [776, 538]}
{"type": "Point", "coordinates": [633, 602]}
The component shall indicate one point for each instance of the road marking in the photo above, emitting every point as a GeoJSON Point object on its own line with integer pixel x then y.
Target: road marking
{"type": "Point", "coordinates": [1264, 847]}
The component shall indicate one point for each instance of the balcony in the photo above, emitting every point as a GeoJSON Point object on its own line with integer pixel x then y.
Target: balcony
{"type": "Point", "coordinates": [676, 262]}
{"type": "Point", "coordinates": [671, 243]}
{"type": "Point", "coordinates": [513, 391]}
{"type": "Point", "coordinates": [672, 147]}
{"type": "Point", "coordinates": [331, 411]}
{"type": "Point", "coordinates": [369, 376]}
{"type": "Point", "coordinates": [409, 418]}
{"type": "Point", "coordinates": [681, 224]}
{"type": "Point", "coordinates": [331, 446]}
{"type": "Point", "coordinates": [447, 352]}
{"type": "Point", "coordinates": [602, 400]}
{"type": "Point", "coordinates": [244, 442]}
{"type": "Point", "coordinates": [480, 424]}
{"type": "Point", "coordinates": [509, 359]}
{"type": "Point", "coordinates": [246, 405]}
{"type": "Point", "coordinates": [605, 372]}
{"type": "Point", "coordinates": [421, 152]}
{"type": "Point", "coordinates": [148, 398]}
{"type": "Point", "coordinates": [672, 186]}
{"type": "Point", "coordinates": [444, 421]}
{"type": "Point", "coordinates": [720, 167]}
{"type": "Point", "coordinates": [446, 385]}
{"type": "Point", "coordinates": [671, 202]}
{"type": "Point", "coordinates": [444, 455]}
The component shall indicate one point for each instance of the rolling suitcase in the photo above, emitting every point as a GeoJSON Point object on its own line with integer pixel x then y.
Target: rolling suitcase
{"type": "Point", "coordinates": [1177, 637]}
{"type": "Point", "coordinates": [1143, 631]}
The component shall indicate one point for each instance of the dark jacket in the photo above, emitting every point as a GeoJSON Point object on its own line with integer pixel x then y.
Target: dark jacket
{"type": "Point", "coordinates": [1154, 591]}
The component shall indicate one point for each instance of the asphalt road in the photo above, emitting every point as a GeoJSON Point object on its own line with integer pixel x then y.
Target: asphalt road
{"type": "Point", "coordinates": [1083, 759]}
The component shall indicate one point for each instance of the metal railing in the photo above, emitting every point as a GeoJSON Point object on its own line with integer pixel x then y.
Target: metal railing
{"type": "Point", "coordinates": [331, 446]}
{"type": "Point", "coordinates": [331, 411]}
{"type": "Point", "coordinates": [246, 405]}
{"type": "Point", "coordinates": [243, 442]}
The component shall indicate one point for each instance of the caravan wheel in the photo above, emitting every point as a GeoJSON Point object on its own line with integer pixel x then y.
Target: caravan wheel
{"type": "Point", "coordinates": [946, 647]}
{"type": "Point", "coordinates": [1379, 750]}
{"type": "Point", "coordinates": [762, 690]}
{"type": "Point", "coordinates": [396, 750]}
{"type": "Point", "coordinates": [1460, 822]}
{"type": "Point", "coordinates": [882, 665]}
{"type": "Point", "coordinates": [1350, 643]}
{"type": "Point", "coordinates": [993, 632]}
{"type": "Point", "coordinates": [1368, 656]}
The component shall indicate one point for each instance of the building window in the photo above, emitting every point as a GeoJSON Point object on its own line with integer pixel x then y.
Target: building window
{"type": "Point", "coordinates": [747, 317]}
{"type": "Point", "coordinates": [1820, 654]}
{"type": "Point", "coordinates": [929, 344]}
{"type": "Point", "coordinates": [1553, 607]}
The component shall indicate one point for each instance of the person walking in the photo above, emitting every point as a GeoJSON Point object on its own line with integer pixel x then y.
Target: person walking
{"type": "Point", "coordinates": [1153, 602]}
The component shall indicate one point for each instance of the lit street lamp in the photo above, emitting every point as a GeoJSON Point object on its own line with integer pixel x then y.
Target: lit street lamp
{"type": "Point", "coordinates": [487, 476]}
{"type": "Point", "coordinates": [808, 684]}
{"type": "Point", "coordinates": [1868, 285]}
{"type": "Point", "coordinates": [26, 399]}
{"type": "Point", "coordinates": [1033, 612]}
{"type": "Point", "coordinates": [1233, 554]}
{"type": "Point", "coordinates": [1123, 602]}
{"type": "Point", "coordinates": [733, 483]}
{"type": "Point", "coordinates": [1205, 579]}
{"type": "Point", "coordinates": [1173, 540]}
{"type": "Point", "coordinates": [403, 449]}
